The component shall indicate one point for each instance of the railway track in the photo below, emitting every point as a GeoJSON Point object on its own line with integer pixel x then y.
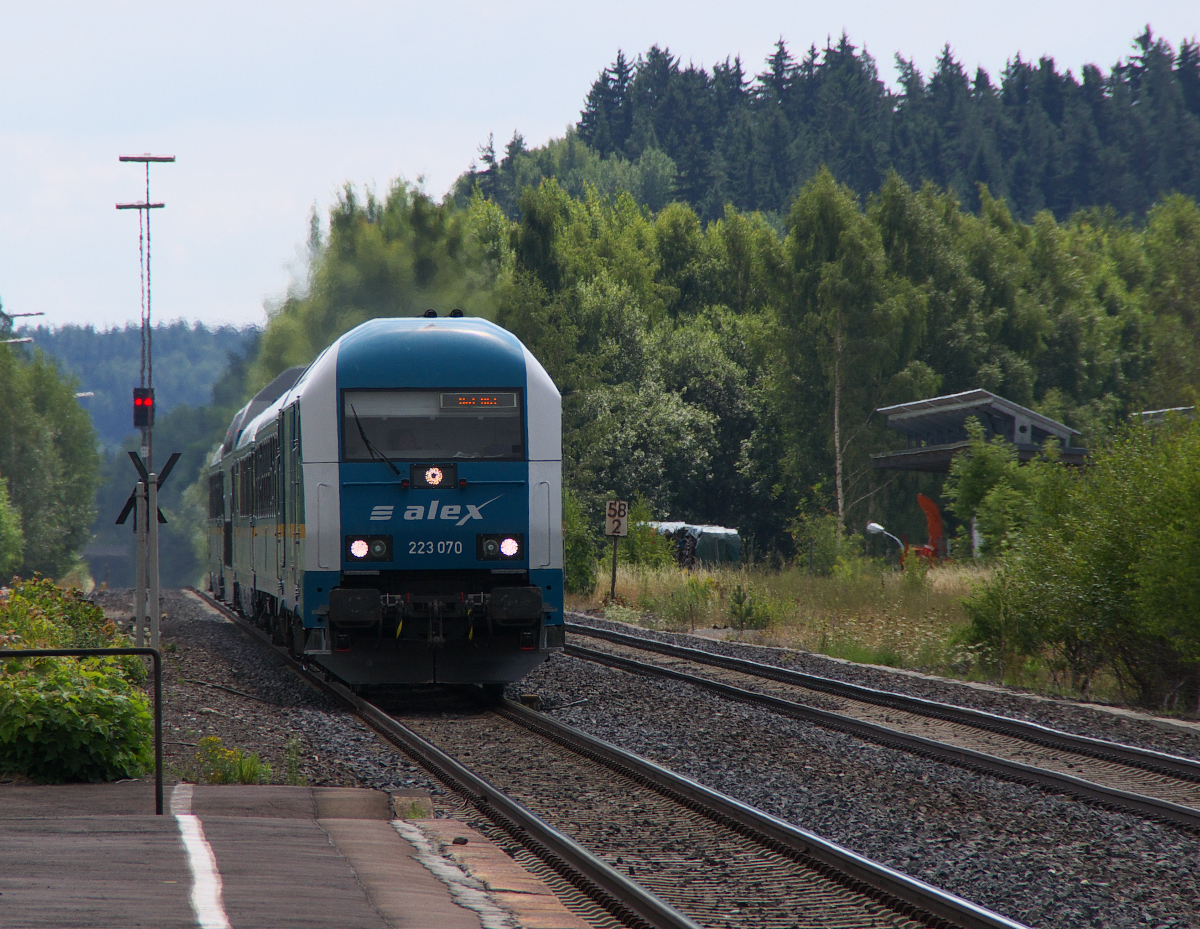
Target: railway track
{"type": "Point", "coordinates": [649, 847]}
{"type": "Point", "coordinates": [1162, 787]}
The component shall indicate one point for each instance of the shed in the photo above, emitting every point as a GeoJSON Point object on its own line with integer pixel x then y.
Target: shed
{"type": "Point", "coordinates": [936, 429]}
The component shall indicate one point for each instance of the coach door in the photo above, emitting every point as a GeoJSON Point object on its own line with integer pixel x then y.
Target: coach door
{"type": "Point", "coordinates": [281, 510]}
{"type": "Point", "coordinates": [292, 522]}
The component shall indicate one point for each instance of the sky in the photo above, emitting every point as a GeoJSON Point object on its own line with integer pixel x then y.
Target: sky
{"type": "Point", "coordinates": [270, 107]}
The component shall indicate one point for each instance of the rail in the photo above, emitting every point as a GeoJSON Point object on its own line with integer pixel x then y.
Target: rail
{"type": "Point", "coordinates": [913, 896]}
{"type": "Point", "coordinates": [916, 898]}
{"type": "Point", "coordinates": [1161, 810]}
{"type": "Point", "coordinates": [1145, 758]}
{"type": "Point", "coordinates": [628, 901]}
{"type": "Point", "coordinates": [114, 652]}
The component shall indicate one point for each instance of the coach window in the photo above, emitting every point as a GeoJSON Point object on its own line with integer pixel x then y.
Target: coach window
{"type": "Point", "coordinates": [415, 425]}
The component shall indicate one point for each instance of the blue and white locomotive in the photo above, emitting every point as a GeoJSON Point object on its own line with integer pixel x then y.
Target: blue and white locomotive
{"type": "Point", "coordinates": [394, 510]}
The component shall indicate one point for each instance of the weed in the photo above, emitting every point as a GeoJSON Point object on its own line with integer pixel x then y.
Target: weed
{"type": "Point", "coordinates": [861, 611]}
{"type": "Point", "coordinates": [915, 579]}
{"type": "Point", "coordinates": [291, 763]}
{"type": "Point", "coordinates": [748, 610]}
{"type": "Point", "coordinates": [413, 809]}
{"type": "Point", "coordinates": [619, 613]}
{"type": "Point", "coordinates": [220, 765]}
{"type": "Point", "coordinates": [686, 603]}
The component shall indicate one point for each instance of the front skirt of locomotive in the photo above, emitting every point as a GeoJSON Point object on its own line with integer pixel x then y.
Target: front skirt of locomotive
{"type": "Point", "coordinates": [450, 663]}
{"type": "Point", "coordinates": [437, 628]}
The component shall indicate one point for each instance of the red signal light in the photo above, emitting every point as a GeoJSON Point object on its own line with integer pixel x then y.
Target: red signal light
{"type": "Point", "coordinates": [143, 407]}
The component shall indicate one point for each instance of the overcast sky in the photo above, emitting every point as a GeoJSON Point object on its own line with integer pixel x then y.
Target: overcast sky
{"type": "Point", "coordinates": [271, 106]}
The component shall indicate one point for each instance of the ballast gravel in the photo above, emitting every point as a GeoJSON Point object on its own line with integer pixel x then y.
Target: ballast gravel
{"type": "Point", "coordinates": [299, 732]}
{"type": "Point", "coordinates": [1044, 860]}
{"type": "Point", "coordinates": [1047, 861]}
{"type": "Point", "coordinates": [1069, 716]}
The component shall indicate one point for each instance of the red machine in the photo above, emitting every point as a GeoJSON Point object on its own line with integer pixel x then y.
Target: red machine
{"type": "Point", "coordinates": [931, 551]}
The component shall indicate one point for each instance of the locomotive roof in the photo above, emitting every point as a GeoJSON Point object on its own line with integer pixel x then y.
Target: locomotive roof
{"type": "Point", "coordinates": [430, 352]}
{"type": "Point", "coordinates": [459, 352]}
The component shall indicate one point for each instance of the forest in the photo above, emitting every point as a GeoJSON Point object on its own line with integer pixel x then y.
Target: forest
{"type": "Point", "coordinates": [1038, 138]}
{"type": "Point", "coordinates": [187, 360]}
{"type": "Point", "coordinates": [707, 367]}
{"type": "Point", "coordinates": [68, 426]}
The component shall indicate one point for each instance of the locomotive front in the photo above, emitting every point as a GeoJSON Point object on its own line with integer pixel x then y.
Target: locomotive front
{"type": "Point", "coordinates": [450, 496]}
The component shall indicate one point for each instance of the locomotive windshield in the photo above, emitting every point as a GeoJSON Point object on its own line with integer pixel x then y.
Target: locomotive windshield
{"type": "Point", "coordinates": [406, 425]}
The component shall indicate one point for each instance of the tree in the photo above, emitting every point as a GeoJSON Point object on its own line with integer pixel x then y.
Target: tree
{"type": "Point", "coordinates": [48, 456]}
{"type": "Point", "coordinates": [838, 303]}
{"type": "Point", "coordinates": [12, 539]}
{"type": "Point", "coordinates": [394, 257]}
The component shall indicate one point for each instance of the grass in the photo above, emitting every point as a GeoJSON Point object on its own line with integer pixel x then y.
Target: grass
{"type": "Point", "coordinates": [862, 613]}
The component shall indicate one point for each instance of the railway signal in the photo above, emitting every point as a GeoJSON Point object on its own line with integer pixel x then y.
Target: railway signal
{"type": "Point", "coordinates": [143, 407]}
{"type": "Point", "coordinates": [143, 502]}
{"type": "Point", "coordinates": [144, 499]}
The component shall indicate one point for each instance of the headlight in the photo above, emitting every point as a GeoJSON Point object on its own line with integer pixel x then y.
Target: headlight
{"type": "Point", "coordinates": [433, 476]}
{"type": "Point", "coordinates": [509, 546]}
{"type": "Point", "coordinates": [368, 548]}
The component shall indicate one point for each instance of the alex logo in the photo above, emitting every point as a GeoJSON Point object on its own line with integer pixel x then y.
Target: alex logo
{"type": "Point", "coordinates": [452, 512]}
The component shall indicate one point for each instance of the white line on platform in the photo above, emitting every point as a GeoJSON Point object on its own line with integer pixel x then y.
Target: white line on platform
{"type": "Point", "coordinates": [206, 879]}
{"type": "Point", "coordinates": [464, 889]}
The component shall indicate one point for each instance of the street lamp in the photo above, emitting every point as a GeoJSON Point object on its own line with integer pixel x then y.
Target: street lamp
{"type": "Point", "coordinates": [876, 529]}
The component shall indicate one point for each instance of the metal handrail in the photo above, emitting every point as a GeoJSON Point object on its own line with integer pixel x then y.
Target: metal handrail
{"type": "Point", "coordinates": [107, 652]}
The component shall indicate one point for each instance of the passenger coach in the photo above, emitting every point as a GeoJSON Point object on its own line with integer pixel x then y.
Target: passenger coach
{"type": "Point", "coordinates": [394, 510]}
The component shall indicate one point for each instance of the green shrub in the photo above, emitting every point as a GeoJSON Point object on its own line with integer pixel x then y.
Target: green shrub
{"type": "Point", "coordinates": [818, 541]}
{"type": "Point", "coordinates": [62, 721]}
{"type": "Point", "coordinates": [68, 719]}
{"type": "Point", "coordinates": [688, 602]}
{"type": "Point", "coordinates": [12, 536]}
{"type": "Point", "coordinates": [1103, 571]}
{"type": "Point", "coordinates": [915, 579]}
{"type": "Point", "coordinates": [749, 609]}
{"type": "Point", "coordinates": [579, 550]}
{"type": "Point", "coordinates": [645, 545]}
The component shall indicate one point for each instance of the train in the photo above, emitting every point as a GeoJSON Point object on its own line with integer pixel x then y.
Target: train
{"type": "Point", "coordinates": [392, 512]}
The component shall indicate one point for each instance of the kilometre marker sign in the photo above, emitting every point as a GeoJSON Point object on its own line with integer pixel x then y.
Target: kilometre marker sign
{"type": "Point", "coordinates": [616, 518]}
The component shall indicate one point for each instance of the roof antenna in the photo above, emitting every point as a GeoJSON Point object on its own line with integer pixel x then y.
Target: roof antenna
{"type": "Point", "coordinates": [430, 314]}
{"type": "Point", "coordinates": [456, 314]}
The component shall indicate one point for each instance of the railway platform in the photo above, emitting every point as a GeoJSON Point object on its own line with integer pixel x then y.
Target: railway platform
{"type": "Point", "coordinates": [246, 857]}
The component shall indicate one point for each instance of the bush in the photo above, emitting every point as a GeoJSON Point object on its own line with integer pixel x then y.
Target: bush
{"type": "Point", "coordinates": [689, 601]}
{"type": "Point", "coordinates": [749, 609]}
{"type": "Point", "coordinates": [818, 541]}
{"type": "Point", "coordinates": [68, 719]}
{"type": "Point", "coordinates": [579, 550]}
{"type": "Point", "coordinates": [70, 723]}
{"type": "Point", "coordinates": [1104, 573]}
{"type": "Point", "coordinates": [645, 545]}
{"type": "Point", "coordinates": [12, 536]}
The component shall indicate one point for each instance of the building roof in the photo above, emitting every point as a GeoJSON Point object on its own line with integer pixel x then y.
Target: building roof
{"type": "Point", "coordinates": [1158, 416]}
{"type": "Point", "coordinates": [936, 429]}
{"type": "Point", "coordinates": [953, 409]}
